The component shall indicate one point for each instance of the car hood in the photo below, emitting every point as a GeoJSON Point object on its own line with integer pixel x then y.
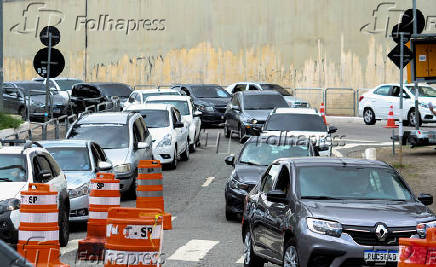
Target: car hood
{"type": "Point", "coordinates": [260, 115]}
{"type": "Point", "coordinates": [117, 156]}
{"type": "Point", "coordinates": [295, 133]}
{"type": "Point", "coordinates": [368, 213]}
{"type": "Point", "coordinates": [215, 101]}
{"type": "Point", "coordinates": [77, 178]}
{"type": "Point", "coordinates": [249, 174]}
{"type": "Point", "coordinates": [11, 189]}
{"type": "Point", "coordinates": [158, 133]}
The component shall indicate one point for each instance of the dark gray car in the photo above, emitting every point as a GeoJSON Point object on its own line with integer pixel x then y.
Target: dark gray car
{"type": "Point", "coordinates": [331, 212]}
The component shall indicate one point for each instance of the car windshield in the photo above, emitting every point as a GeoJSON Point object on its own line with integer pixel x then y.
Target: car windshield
{"type": "Point", "coordinates": [263, 154]}
{"type": "Point", "coordinates": [181, 105]}
{"type": "Point", "coordinates": [209, 91]}
{"type": "Point", "coordinates": [71, 158]}
{"type": "Point", "coordinates": [106, 135]}
{"type": "Point", "coordinates": [295, 122]}
{"type": "Point", "coordinates": [277, 88]}
{"type": "Point", "coordinates": [425, 91]}
{"type": "Point", "coordinates": [121, 90]}
{"type": "Point", "coordinates": [13, 168]}
{"type": "Point", "coordinates": [351, 182]}
{"type": "Point", "coordinates": [155, 118]}
{"type": "Point", "coordinates": [263, 102]}
{"type": "Point", "coordinates": [65, 85]}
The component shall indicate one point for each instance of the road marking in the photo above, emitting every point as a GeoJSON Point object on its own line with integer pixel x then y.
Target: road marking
{"type": "Point", "coordinates": [241, 260]}
{"type": "Point", "coordinates": [194, 250]}
{"type": "Point", "coordinates": [72, 246]}
{"type": "Point", "coordinates": [209, 180]}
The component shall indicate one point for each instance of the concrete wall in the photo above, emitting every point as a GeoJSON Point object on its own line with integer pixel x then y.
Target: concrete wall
{"type": "Point", "coordinates": [310, 43]}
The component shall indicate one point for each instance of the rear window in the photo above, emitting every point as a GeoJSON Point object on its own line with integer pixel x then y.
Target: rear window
{"type": "Point", "coordinates": [209, 91]}
{"type": "Point", "coordinates": [262, 102]}
{"type": "Point", "coordinates": [295, 122]}
{"type": "Point", "coordinates": [155, 118]}
{"type": "Point", "coordinates": [65, 85]}
{"type": "Point", "coordinates": [277, 88]}
{"type": "Point", "coordinates": [116, 90]}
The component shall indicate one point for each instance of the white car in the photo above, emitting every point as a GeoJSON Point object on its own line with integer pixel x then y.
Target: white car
{"type": "Point", "coordinates": [63, 85]}
{"type": "Point", "coordinates": [375, 104]}
{"type": "Point", "coordinates": [300, 124]}
{"type": "Point", "coordinates": [190, 116]}
{"type": "Point", "coordinates": [170, 136]}
{"type": "Point", "coordinates": [139, 96]}
{"type": "Point", "coordinates": [19, 166]}
{"type": "Point", "coordinates": [292, 101]}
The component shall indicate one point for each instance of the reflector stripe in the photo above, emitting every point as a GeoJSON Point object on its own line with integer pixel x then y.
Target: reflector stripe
{"type": "Point", "coordinates": [149, 170]}
{"type": "Point", "coordinates": [149, 182]}
{"type": "Point", "coordinates": [104, 200]}
{"type": "Point", "coordinates": [105, 186]}
{"type": "Point", "coordinates": [131, 258]}
{"type": "Point", "coordinates": [39, 217]}
{"type": "Point", "coordinates": [38, 235]}
{"type": "Point", "coordinates": [97, 215]}
{"type": "Point", "coordinates": [39, 199]}
{"type": "Point", "coordinates": [149, 193]}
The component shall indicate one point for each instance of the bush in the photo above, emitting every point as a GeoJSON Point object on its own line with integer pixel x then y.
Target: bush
{"type": "Point", "coordinates": [7, 121]}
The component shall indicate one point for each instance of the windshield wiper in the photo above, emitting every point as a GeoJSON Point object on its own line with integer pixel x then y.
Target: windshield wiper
{"type": "Point", "coordinates": [321, 198]}
{"type": "Point", "coordinates": [5, 179]}
{"type": "Point", "coordinates": [250, 163]}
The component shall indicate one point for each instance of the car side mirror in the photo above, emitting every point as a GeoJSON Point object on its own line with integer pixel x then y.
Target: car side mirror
{"type": "Point", "coordinates": [332, 129]}
{"type": "Point", "coordinates": [179, 125]}
{"type": "Point", "coordinates": [183, 93]}
{"type": "Point", "coordinates": [104, 166]}
{"type": "Point", "coordinates": [142, 145]}
{"type": "Point", "coordinates": [277, 196]}
{"type": "Point", "coordinates": [44, 175]}
{"type": "Point", "coordinates": [230, 160]}
{"type": "Point", "coordinates": [197, 113]}
{"type": "Point", "coordinates": [426, 199]}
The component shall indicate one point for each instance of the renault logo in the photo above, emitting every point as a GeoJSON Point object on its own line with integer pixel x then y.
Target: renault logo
{"type": "Point", "coordinates": [381, 232]}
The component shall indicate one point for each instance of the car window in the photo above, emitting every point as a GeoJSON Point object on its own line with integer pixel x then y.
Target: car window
{"type": "Point", "coordinates": [13, 168]}
{"type": "Point", "coordinates": [269, 178]}
{"type": "Point", "coordinates": [295, 122]}
{"type": "Point", "coordinates": [100, 152]}
{"type": "Point", "coordinates": [138, 135]}
{"type": "Point", "coordinates": [264, 101]}
{"type": "Point", "coordinates": [132, 98]}
{"type": "Point", "coordinates": [239, 87]}
{"type": "Point", "coordinates": [396, 92]}
{"type": "Point", "coordinates": [95, 154]}
{"type": "Point", "coordinates": [283, 180]}
{"type": "Point", "coordinates": [253, 87]}
{"type": "Point", "coordinates": [384, 90]}
{"type": "Point", "coordinates": [178, 115]}
{"type": "Point", "coordinates": [425, 91]}
{"type": "Point", "coordinates": [71, 158]}
{"type": "Point", "coordinates": [184, 89]}
{"type": "Point", "coordinates": [264, 153]}
{"type": "Point", "coordinates": [102, 134]}
{"type": "Point", "coordinates": [40, 163]}
{"type": "Point", "coordinates": [138, 98]}
{"type": "Point", "coordinates": [209, 91]}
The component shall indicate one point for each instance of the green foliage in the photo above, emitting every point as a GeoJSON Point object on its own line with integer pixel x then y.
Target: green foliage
{"type": "Point", "coordinates": [8, 121]}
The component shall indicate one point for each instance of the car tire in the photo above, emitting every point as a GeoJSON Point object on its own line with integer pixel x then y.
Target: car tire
{"type": "Point", "coordinates": [369, 116]}
{"type": "Point", "coordinates": [173, 164]}
{"type": "Point", "coordinates": [250, 259]}
{"type": "Point", "coordinates": [411, 118]}
{"type": "Point", "coordinates": [241, 135]}
{"type": "Point", "coordinates": [64, 225]}
{"type": "Point", "coordinates": [230, 216]}
{"type": "Point", "coordinates": [290, 256]}
{"type": "Point", "coordinates": [226, 130]}
{"type": "Point", "coordinates": [23, 113]}
{"type": "Point", "coordinates": [192, 147]}
{"type": "Point", "coordinates": [185, 155]}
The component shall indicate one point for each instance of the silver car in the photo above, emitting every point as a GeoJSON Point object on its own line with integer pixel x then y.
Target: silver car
{"type": "Point", "coordinates": [80, 160]}
{"type": "Point", "coordinates": [124, 138]}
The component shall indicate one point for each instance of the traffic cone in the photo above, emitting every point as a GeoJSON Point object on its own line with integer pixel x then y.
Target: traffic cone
{"type": "Point", "coordinates": [322, 112]}
{"type": "Point", "coordinates": [391, 120]}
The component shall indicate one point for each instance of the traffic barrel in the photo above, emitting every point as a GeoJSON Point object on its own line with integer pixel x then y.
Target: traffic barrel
{"type": "Point", "coordinates": [415, 252]}
{"type": "Point", "coordinates": [149, 190]}
{"type": "Point", "coordinates": [105, 194]}
{"type": "Point", "coordinates": [38, 236]}
{"type": "Point", "coordinates": [322, 112]}
{"type": "Point", "coordinates": [391, 121]}
{"type": "Point", "coordinates": [133, 237]}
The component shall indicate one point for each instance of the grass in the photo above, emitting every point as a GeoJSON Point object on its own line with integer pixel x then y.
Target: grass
{"type": "Point", "coordinates": [7, 121]}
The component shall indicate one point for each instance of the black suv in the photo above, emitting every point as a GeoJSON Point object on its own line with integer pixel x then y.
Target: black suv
{"type": "Point", "coordinates": [331, 212]}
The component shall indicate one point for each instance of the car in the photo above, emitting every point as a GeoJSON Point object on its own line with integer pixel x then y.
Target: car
{"type": "Point", "coordinates": [63, 85]}
{"type": "Point", "coordinates": [32, 94]}
{"type": "Point", "coordinates": [14, 101]}
{"type": "Point", "coordinates": [20, 166]}
{"type": "Point", "coordinates": [290, 99]}
{"type": "Point", "coordinates": [210, 99]}
{"type": "Point", "coordinates": [89, 94]}
{"type": "Point", "coordinates": [248, 111]}
{"type": "Point", "coordinates": [80, 160]}
{"type": "Point", "coordinates": [190, 116]}
{"type": "Point", "coordinates": [139, 96]}
{"type": "Point", "coordinates": [300, 123]}
{"type": "Point", "coordinates": [331, 212]}
{"type": "Point", "coordinates": [253, 160]}
{"type": "Point", "coordinates": [375, 104]}
{"type": "Point", "coordinates": [124, 138]}
{"type": "Point", "coordinates": [170, 136]}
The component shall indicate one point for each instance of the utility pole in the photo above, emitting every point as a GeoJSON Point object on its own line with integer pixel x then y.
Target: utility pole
{"type": "Point", "coordinates": [1, 55]}
{"type": "Point", "coordinates": [47, 85]}
{"type": "Point", "coordinates": [401, 131]}
{"type": "Point", "coordinates": [412, 69]}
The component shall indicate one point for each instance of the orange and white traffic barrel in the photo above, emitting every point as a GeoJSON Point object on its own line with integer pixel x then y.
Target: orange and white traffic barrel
{"type": "Point", "coordinates": [105, 194]}
{"type": "Point", "coordinates": [149, 190]}
{"type": "Point", "coordinates": [415, 252]}
{"type": "Point", "coordinates": [322, 112]}
{"type": "Point", "coordinates": [38, 236]}
{"type": "Point", "coordinates": [134, 237]}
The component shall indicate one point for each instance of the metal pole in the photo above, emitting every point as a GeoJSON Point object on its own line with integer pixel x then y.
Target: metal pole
{"type": "Point", "coordinates": [401, 96]}
{"type": "Point", "coordinates": [1, 56]}
{"type": "Point", "coordinates": [412, 68]}
{"type": "Point", "coordinates": [393, 142]}
{"type": "Point", "coordinates": [47, 86]}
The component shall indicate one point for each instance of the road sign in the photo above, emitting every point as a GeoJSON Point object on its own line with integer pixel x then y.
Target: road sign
{"type": "Point", "coordinates": [55, 35]}
{"type": "Point", "coordinates": [395, 55]}
{"type": "Point", "coordinates": [57, 62]}
{"type": "Point", "coordinates": [407, 21]}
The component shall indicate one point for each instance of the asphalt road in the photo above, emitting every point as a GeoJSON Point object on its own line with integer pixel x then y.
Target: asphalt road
{"type": "Point", "coordinates": [194, 194]}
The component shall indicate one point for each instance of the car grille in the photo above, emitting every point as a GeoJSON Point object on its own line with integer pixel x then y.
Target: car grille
{"type": "Point", "coordinates": [365, 236]}
{"type": "Point", "coordinates": [221, 109]}
{"type": "Point", "coordinates": [357, 262]}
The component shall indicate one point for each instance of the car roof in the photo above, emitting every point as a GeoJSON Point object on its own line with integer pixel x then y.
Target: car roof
{"type": "Point", "coordinates": [169, 97]}
{"type": "Point", "coordinates": [258, 92]}
{"type": "Point", "coordinates": [197, 84]}
{"type": "Point", "coordinates": [295, 111]}
{"type": "Point", "coordinates": [276, 140]}
{"type": "Point", "coordinates": [156, 91]}
{"type": "Point", "coordinates": [105, 118]}
{"type": "Point", "coordinates": [19, 150]}
{"type": "Point", "coordinates": [322, 161]}
{"type": "Point", "coordinates": [148, 106]}
{"type": "Point", "coordinates": [65, 143]}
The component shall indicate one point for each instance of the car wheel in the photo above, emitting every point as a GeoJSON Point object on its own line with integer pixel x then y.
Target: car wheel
{"type": "Point", "coordinates": [226, 130]}
{"type": "Point", "coordinates": [132, 190]}
{"type": "Point", "coordinates": [192, 147]}
{"type": "Point", "coordinates": [250, 259]}
{"type": "Point", "coordinates": [411, 118]}
{"type": "Point", "coordinates": [173, 164]}
{"type": "Point", "coordinates": [241, 135]}
{"type": "Point", "coordinates": [230, 216]}
{"type": "Point", "coordinates": [185, 155]}
{"type": "Point", "coordinates": [290, 257]}
{"type": "Point", "coordinates": [369, 116]}
{"type": "Point", "coordinates": [64, 226]}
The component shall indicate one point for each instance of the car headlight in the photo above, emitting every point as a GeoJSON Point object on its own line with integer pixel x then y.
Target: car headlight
{"type": "Point", "coordinates": [79, 191]}
{"type": "Point", "coordinates": [206, 108]}
{"type": "Point", "coordinates": [10, 204]}
{"type": "Point", "coordinates": [421, 229]}
{"type": "Point", "coordinates": [122, 168]}
{"type": "Point", "coordinates": [166, 141]}
{"type": "Point", "coordinates": [324, 227]}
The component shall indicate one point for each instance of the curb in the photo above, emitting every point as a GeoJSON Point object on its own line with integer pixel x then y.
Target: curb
{"type": "Point", "coordinates": [11, 131]}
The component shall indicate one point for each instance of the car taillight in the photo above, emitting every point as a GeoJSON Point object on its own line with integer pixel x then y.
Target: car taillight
{"type": "Point", "coordinates": [360, 98]}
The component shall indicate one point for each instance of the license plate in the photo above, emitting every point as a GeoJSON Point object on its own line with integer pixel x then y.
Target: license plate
{"type": "Point", "coordinates": [57, 110]}
{"type": "Point", "coordinates": [222, 117]}
{"type": "Point", "coordinates": [380, 256]}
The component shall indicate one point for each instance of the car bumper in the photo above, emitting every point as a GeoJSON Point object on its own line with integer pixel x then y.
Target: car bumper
{"type": "Point", "coordinates": [126, 180]}
{"type": "Point", "coordinates": [235, 199]}
{"type": "Point", "coordinates": [212, 118]}
{"type": "Point", "coordinates": [427, 116]}
{"type": "Point", "coordinates": [79, 209]}
{"type": "Point", "coordinates": [164, 154]}
{"type": "Point", "coordinates": [8, 232]}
